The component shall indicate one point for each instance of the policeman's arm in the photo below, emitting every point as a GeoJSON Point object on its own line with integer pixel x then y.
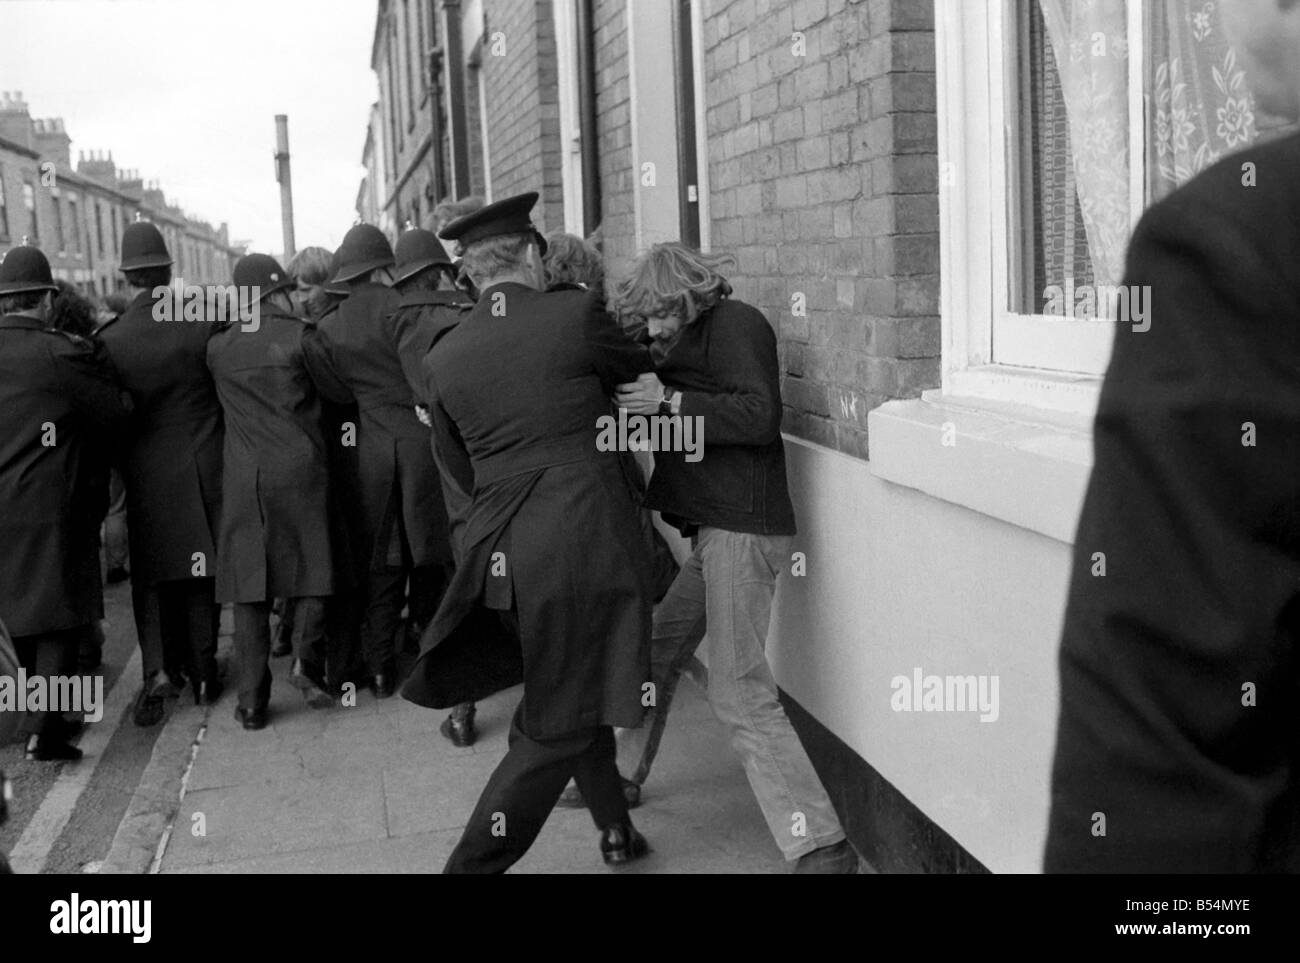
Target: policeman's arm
{"type": "Point", "coordinates": [320, 365]}
{"type": "Point", "coordinates": [616, 355]}
{"type": "Point", "coordinates": [1177, 674]}
{"type": "Point", "coordinates": [742, 357]}
{"type": "Point", "coordinates": [88, 378]}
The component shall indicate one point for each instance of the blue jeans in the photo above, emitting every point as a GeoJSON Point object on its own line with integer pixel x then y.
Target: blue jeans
{"type": "Point", "coordinates": [727, 584]}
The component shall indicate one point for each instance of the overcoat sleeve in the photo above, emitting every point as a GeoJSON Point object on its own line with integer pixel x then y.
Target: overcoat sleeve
{"type": "Point", "coordinates": [617, 357]}
{"type": "Point", "coordinates": [88, 378]}
{"type": "Point", "coordinates": [320, 365]}
{"type": "Point", "coordinates": [1177, 732]}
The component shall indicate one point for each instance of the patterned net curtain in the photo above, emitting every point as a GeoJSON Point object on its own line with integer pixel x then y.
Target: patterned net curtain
{"type": "Point", "coordinates": [1198, 110]}
{"type": "Point", "coordinates": [1199, 107]}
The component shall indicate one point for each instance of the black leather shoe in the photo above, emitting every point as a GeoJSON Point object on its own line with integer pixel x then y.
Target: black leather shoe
{"type": "Point", "coordinates": [151, 703]}
{"type": "Point", "coordinates": [251, 718]}
{"type": "Point", "coordinates": [460, 732]}
{"type": "Point", "coordinates": [622, 844]}
{"type": "Point", "coordinates": [47, 749]}
{"type": "Point", "coordinates": [309, 681]}
{"type": "Point", "coordinates": [381, 684]}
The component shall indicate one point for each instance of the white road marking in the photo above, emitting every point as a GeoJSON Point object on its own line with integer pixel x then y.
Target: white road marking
{"type": "Point", "coordinates": [49, 821]}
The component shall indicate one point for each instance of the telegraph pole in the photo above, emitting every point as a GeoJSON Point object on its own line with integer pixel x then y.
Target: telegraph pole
{"type": "Point", "coordinates": [283, 179]}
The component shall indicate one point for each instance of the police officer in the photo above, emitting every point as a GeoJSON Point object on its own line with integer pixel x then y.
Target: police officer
{"type": "Point", "coordinates": [352, 356]}
{"type": "Point", "coordinates": [172, 469]}
{"type": "Point", "coordinates": [277, 528]}
{"type": "Point", "coordinates": [59, 399]}
{"type": "Point", "coordinates": [551, 545]}
{"type": "Point", "coordinates": [431, 306]}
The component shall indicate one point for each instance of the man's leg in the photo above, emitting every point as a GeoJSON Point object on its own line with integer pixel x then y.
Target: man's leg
{"type": "Point", "coordinates": [196, 606]}
{"type": "Point", "coordinates": [679, 624]}
{"type": "Point", "coordinates": [384, 597]}
{"type": "Point", "coordinates": [518, 799]}
{"type": "Point", "coordinates": [740, 574]}
{"type": "Point", "coordinates": [308, 670]}
{"type": "Point", "coordinates": [147, 604]}
{"type": "Point", "coordinates": [116, 551]}
{"type": "Point", "coordinates": [253, 649]}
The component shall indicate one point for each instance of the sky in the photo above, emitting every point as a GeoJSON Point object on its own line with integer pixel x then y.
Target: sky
{"type": "Point", "coordinates": [186, 92]}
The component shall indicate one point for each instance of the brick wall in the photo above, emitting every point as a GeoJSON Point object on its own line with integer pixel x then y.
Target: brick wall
{"type": "Point", "coordinates": [823, 181]}
{"type": "Point", "coordinates": [523, 106]}
{"type": "Point", "coordinates": [614, 138]}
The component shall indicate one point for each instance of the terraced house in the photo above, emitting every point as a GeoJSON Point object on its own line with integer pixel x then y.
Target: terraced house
{"type": "Point", "coordinates": [925, 197]}
{"type": "Point", "coordinates": [76, 215]}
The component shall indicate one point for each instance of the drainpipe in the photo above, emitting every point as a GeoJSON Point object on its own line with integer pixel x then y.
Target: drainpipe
{"type": "Point", "coordinates": [587, 135]}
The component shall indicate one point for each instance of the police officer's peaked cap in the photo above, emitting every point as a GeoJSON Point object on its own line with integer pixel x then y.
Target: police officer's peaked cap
{"type": "Point", "coordinates": [263, 272]}
{"type": "Point", "coordinates": [25, 269]}
{"type": "Point", "coordinates": [143, 247]}
{"type": "Point", "coordinates": [510, 216]}
{"type": "Point", "coordinates": [418, 249]}
{"type": "Point", "coordinates": [364, 249]}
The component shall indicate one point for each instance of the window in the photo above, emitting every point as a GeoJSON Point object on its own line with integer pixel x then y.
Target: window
{"type": "Point", "coordinates": [60, 241]}
{"type": "Point", "coordinates": [668, 146]}
{"type": "Point", "coordinates": [99, 228]}
{"type": "Point", "coordinates": [408, 46]}
{"type": "Point", "coordinates": [422, 44]}
{"type": "Point", "coordinates": [29, 202]}
{"type": "Point", "coordinates": [1059, 123]}
{"type": "Point", "coordinates": [74, 215]}
{"type": "Point", "coordinates": [4, 207]}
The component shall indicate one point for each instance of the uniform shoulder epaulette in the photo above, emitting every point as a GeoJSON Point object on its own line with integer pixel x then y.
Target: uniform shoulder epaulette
{"type": "Point", "coordinates": [74, 338]}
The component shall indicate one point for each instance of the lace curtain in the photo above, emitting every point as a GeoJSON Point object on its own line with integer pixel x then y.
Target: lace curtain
{"type": "Point", "coordinates": [1199, 107]}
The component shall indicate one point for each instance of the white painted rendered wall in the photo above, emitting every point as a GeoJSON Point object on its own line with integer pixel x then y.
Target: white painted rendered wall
{"type": "Point", "coordinates": [898, 579]}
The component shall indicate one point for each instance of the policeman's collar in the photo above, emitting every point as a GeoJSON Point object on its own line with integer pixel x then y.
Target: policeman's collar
{"type": "Point", "coordinates": [454, 298]}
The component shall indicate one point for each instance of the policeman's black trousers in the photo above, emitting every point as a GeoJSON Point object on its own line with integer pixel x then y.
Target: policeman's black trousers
{"type": "Point", "coordinates": [386, 593]}
{"type": "Point", "coordinates": [177, 623]}
{"type": "Point", "coordinates": [525, 787]}
{"type": "Point", "coordinates": [49, 654]}
{"type": "Point", "coordinates": [253, 644]}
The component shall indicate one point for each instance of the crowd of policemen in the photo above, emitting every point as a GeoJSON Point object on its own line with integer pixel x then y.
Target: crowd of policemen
{"type": "Point", "coordinates": [271, 455]}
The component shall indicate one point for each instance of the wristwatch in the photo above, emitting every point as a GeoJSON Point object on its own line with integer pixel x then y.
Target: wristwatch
{"type": "Point", "coordinates": [666, 403]}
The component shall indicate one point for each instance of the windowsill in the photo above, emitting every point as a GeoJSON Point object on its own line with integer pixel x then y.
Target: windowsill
{"type": "Point", "coordinates": [1024, 463]}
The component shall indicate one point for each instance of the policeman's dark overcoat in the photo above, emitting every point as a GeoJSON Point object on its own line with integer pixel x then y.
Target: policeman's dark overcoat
{"type": "Point", "coordinates": [352, 357]}
{"type": "Point", "coordinates": [171, 457]}
{"type": "Point", "coordinates": [423, 319]}
{"type": "Point", "coordinates": [279, 532]}
{"type": "Point", "coordinates": [59, 401]}
{"type": "Point", "coordinates": [552, 531]}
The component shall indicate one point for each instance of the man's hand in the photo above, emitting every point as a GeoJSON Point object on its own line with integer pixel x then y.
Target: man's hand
{"type": "Point", "coordinates": [422, 413]}
{"type": "Point", "coordinates": [641, 397]}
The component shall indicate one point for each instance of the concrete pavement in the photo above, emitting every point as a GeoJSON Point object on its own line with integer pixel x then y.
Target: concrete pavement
{"type": "Point", "coordinates": [375, 788]}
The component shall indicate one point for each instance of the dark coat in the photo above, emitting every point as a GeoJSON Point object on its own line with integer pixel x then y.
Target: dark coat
{"type": "Point", "coordinates": [516, 401]}
{"type": "Point", "coordinates": [279, 535]}
{"type": "Point", "coordinates": [53, 486]}
{"type": "Point", "coordinates": [352, 357]}
{"type": "Point", "coordinates": [725, 366]}
{"type": "Point", "coordinates": [171, 449]}
{"type": "Point", "coordinates": [1198, 612]}
{"type": "Point", "coordinates": [423, 319]}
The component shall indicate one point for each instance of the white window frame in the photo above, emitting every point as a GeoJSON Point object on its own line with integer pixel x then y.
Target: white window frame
{"type": "Point", "coordinates": [565, 15]}
{"type": "Point", "coordinates": [1038, 359]}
